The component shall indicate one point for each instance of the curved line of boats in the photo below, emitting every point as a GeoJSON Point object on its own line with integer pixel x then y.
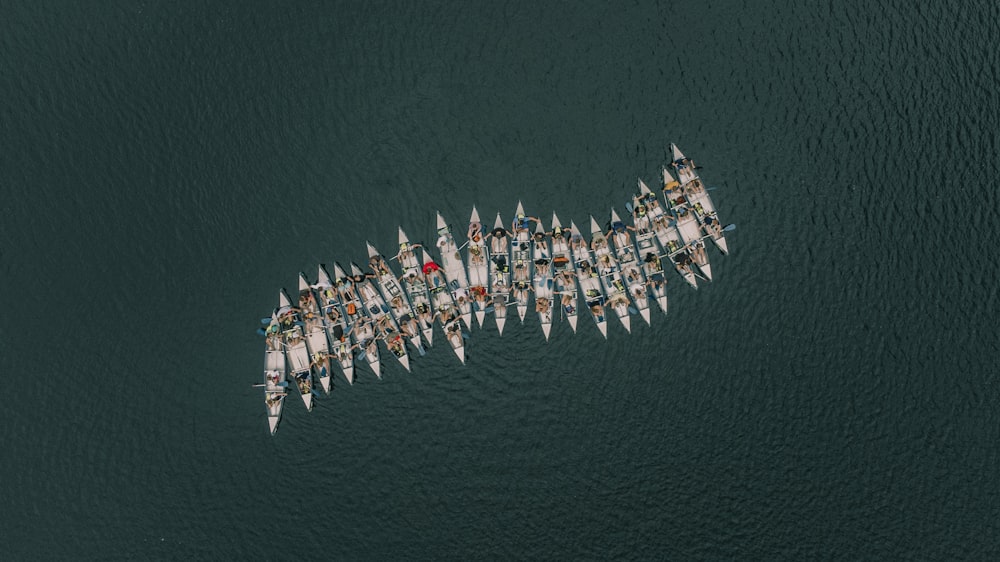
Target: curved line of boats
{"type": "Point", "coordinates": [343, 319]}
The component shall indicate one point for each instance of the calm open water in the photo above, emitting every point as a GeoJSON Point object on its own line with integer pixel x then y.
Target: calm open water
{"type": "Point", "coordinates": [833, 394]}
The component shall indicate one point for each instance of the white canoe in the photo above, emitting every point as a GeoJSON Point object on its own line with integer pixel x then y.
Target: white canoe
{"type": "Point", "coordinates": [296, 352]}
{"type": "Point", "coordinates": [590, 284]}
{"type": "Point", "coordinates": [445, 310]}
{"type": "Point", "coordinates": [520, 262]}
{"type": "Point", "coordinates": [478, 260]}
{"type": "Point", "coordinates": [275, 385]}
{"type": "Point", "coordinates": [628, 265]}
{"type": "Point", "coordinates": [454, 270]}
{"type": "Point", "coordinates": [416, 287]}
{"type": "Point", "coordinates": [562, 273]}
{"type": "Point", "coordinates": [499, 271]}
{"type": "Point", "coordinates": [336, 324]}
{"type": "Point", "coordinates": [319, 348]}
{"type": "Point", "coordinates": [542, 280]}
{"type": "Point", "coordinates": [607, 268]}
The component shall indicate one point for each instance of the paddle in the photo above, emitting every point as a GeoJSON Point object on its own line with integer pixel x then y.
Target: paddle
{"type": "Point", "coordinates": [729, 227]}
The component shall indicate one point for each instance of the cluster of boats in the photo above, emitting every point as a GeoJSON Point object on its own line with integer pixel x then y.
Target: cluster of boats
{"type": "Point", "coordinates": [341, 319]}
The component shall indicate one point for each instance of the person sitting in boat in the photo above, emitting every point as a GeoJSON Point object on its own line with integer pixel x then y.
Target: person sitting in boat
{"type": "Point", "coordinates": [620, 231]}
{"type": "Point", "coordinates": [397, 304]}
{"type": "Point", "coordinates": [406, 250]}
{"type": "Point", "coordinates": [520, 271]}
{"type": "Point", "coordinates": [541, 305]}
{"type": "Point", "coordinates": [557, 233]}
{"type": "Point", "coordinates": [568, 303]}
{"type": "Point", "coordinates": [454, 333]}
{"type": "Point", "coordinates": [541, 267]}
{"type": "Point", "coordinates": [712, 226]}
{"type": "Point", "coordinates": [424, 312]}
{"type": "Point", "coordinates": [434, 276]}
{"type": "Point", "coordinates": [396, 346]}
{"type": "Point", "coordinates": [461, 295]}
{"type": "Point", "coordinates": [499, 286]}
{"type": "Point", "coordinates": [498, 241]}
{"type": "Point", "coordinates": [378, 265]}
{"type": "Point", "coordinates": [641, 220]}
{"type": "Point", "coordinates": [306, 301]}
{"type": "Point", "coordinates": [605, 265]}
{"type": "Point", "coordinates": [698, 252]}
{"type": "Point", "coordinates": [479, 296]}
{"type": "Point", "coordinates": [521, 224]}
{"type": "Point", "coordinates": [541, 247]}
{"type": "Point", "coordinates": [500, 260]}
{"type": "Point", "coordinates": [475, 234]}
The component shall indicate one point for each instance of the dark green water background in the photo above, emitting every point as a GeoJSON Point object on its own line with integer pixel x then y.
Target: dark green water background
{"type": "Point", "coordinates": [166, 168]}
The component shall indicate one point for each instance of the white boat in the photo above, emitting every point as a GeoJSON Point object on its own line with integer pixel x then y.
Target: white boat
{"type": "Point", "coordinates": [454, 270]}
{"type": "Point", "coordinates": [416, 287]}
{"type": "Point", "coordinates": [541, 282]}
{"type": "Point", "coordinates": [296, 352]}
{"type": "Point", "coordinates": [590, 283]}
{"type": "Point", "coordinates": [701, 203]}
{"type": "Point", "coordinates": [398, 301]}
{"type": "Point", "coordinates": [362, 330]}
{"type": "Point", "coordinates": [319, 348]}
{"type": "Point", "coordinates": [650, 253]}
{"type": "Point", "coordinates": [478, 260]}
{"type": "Point", "coordinates": [686, 222]}
{"type": "Point", "coordinates": [379, 311]}
{"type": "Point", "coordinates": [275, 385]}
{"type": "Point", "coordinates": [563, 274]}
{"type": "Point", "coordinates": [521, 261]}
{"type": "Point", "coordinates": [628, 265]}
{"type": "Point", "coordinates": [336, 324]}
{"type": "Point", "coordinates": [500, 279]}
{"type": "Point", "coordinates": [444, 307]}
{"type": "Point", "coordinates": [607, 268]}
{"type": "Point", "coordinates": [667, 235]}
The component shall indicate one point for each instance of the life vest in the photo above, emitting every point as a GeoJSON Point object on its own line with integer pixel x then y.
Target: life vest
{"type": "Point", "coordinates": [351, 308]}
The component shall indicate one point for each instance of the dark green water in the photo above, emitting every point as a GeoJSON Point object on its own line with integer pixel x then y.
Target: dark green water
{"type": "Point", "coordinates": [833, 394]}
